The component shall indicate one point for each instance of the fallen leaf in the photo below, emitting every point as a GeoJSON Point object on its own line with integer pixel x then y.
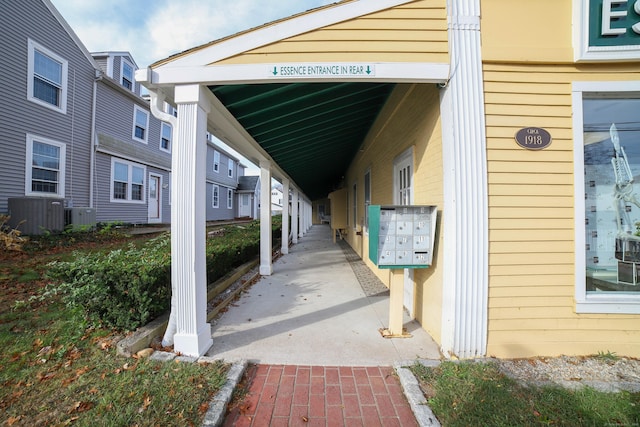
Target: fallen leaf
{"type": "Point", "coordinates": [203, 408]}
{"type": "Point", "coordinates": [12, 420]}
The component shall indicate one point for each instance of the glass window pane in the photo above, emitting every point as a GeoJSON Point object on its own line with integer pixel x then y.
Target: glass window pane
{"type": "Point", "coordinates": [137, 175]}
{"type": "Point", "coordinates": [47, 68]}
{"type": "Point", "coordinates": [141, 118]}
{"type": "Point", "coordinates": [120, 190]}
{"type": "Point", "coordinates": [121, 172]}
{"type": "Point", "coordinates": [612, 197]}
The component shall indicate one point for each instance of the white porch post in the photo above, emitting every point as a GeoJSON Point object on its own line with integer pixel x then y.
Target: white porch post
{"type": "Point", "coordinates": [294, 216]}
{"type": "Point", "coordinates": [266, 267]}
{"type": "Point", "coordinates": [285, 217]}
{"type": "Point", "coordinates": [303, 213]}
{"type": "Point", "coordinates": [188, 263]}
{"type": "Point", "coordinates": [465, 289]}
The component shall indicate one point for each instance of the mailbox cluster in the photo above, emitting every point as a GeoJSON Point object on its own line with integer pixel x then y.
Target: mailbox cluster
{"type": "Point", "coordinates": [401, 236]}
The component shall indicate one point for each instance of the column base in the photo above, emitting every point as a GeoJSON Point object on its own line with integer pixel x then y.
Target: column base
{"type": "Point", "coordinates": [194, 344]}
{"type": "Point", "coordinates": [266, 270]}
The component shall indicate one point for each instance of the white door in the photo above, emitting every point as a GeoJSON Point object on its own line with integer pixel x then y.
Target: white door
{"type": "Point", "coordinates": [154, 198]}
{"type": "Point", "coordinates": [244, 209]}
{"type": "Point", "coordinates": [403, 195]}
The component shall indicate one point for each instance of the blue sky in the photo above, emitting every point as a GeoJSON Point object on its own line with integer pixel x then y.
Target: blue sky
{"type": "Point", "coordinates": [155, 29]}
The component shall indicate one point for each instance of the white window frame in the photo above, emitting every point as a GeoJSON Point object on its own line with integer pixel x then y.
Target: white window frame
{"type": "Point", "coordinates": [215, 196]}
{"type": "Point", "coordinates": [130, 166]}
{"type": "Point", "coordinates": [32, 46]}
{"type": "Point", "coordinates": [123, 62]}
{"type": "Point", "coordinates": [146, 129]}
{"type": "Point", "coordinates": [230, 165]}
{"type": "Point", "coordinates": [623, 303]}
{"type": "Point", "coordinates": [29, 167]}
{"type": "Point", "coordinates": [216, 161]}
{"type": "Point", "coordinates": [163, 127]}
{"type": "Point", "coordinates": [229, 198]}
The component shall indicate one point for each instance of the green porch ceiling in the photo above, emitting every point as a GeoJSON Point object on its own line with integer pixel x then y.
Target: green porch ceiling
{"type": "Point", "coordinates": [312, 130]}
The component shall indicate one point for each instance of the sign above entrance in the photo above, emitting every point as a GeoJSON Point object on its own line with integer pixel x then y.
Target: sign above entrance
{"type": "Point", "coordinates": [322, 70]}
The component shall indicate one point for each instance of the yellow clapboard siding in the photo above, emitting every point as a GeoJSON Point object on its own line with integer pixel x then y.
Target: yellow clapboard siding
{"type": "Point", "coordinates": [501, 144]}
{"type": "Point", "coordinates": [557, 134]}
{"type": "Point", "coordinates": [527, 110]}
{"type": "Point", "coordinates": [560, 284]}
{"type": "Point", "coordinates": [528, 88]}
{"type": "Point", "coordinates": [531, 246]}
{"type": "Point", "coordinates": [531, 258]}
{"type": "Point", "coordinates": [362, 46]}
{"type": "Point", "coordinates": [527, 270]}
{"type": "Point", "coordinates": [546, 303]}
{"type": "Point", "coordinates": [531, 212]}
{"type": "Point", "coordinates": [500, 313]}
{"type": "Point", "coordinates": [512, 166]}
{"type": "Point", "coordinates": [525, 121]}
{"type": "Point", "coordinates": [530, 235]}
{"type": "Point", "coordinates": [515, 153]}
{"type": "Point", "coordinates": [593, 70]}
{"type": "Point", "coordinates": [534, 75]}
{"type": "Point", "coordinates": [528, 201]}
{"type": "Point", "coordinates": [270, 58]}
{"type": "Point", "coordinates": [530, 99]}
{"type": "Point", "coordinates": [385, 24]}
{"type": "Point", "coordinates": [605, 336]}
{"type": "Point", "coordinates": [530, 223]}
{"type": "Point", "coordinates": [528, 178]}
{"type": "Point", "coordinates": [552, 324]}
{"type": "Point", "coordinates": [531, 189]}
{"type": "Point", "coordinates": [403, 35]}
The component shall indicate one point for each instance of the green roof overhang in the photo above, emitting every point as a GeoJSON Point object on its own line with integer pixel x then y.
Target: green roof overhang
{"type": "Point", "coordinates": [311, 130]}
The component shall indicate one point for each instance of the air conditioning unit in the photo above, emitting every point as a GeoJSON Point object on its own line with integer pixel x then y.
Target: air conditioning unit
{"type": "Point", "coordinates": [36, 215]}
{"type": "Point", "coordinates": [79, 218]}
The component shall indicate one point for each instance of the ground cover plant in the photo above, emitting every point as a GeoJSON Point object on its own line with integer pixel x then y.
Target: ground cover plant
{"type": "Point", "coordinates": [59, 366]}
{"type": "Point", "coordinates": [473, 393]}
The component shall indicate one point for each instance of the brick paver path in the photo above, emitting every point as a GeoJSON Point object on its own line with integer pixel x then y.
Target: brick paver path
{"type": "Point", "coordinates": [320, 396]}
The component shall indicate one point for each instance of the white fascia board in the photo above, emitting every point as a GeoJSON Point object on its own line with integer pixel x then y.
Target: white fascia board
{"type": "Point", "coordinates": [385, 72]}
{"type": "Point", "coordinates": [282, 30]}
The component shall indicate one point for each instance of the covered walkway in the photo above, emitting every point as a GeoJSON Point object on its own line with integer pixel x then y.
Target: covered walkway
{"type": "Point", "coordinates": [313, 310]}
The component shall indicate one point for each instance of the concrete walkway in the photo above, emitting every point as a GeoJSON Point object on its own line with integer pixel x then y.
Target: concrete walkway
{"type": "Point", "coordinates": [311, 334]}
{"type": "Point", "coordinates": [314, 311]}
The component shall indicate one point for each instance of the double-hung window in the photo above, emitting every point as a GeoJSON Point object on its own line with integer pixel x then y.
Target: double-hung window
{"type": "Point", "coordinates": [45, 167]}
{"type": "Point", "coordinates": [165, 137]}
{"type": "Point", "coordinates": [140, 124]}
{"type": "Point", "coordinates": [216, 161]}
{"type": "Point", "coordinates": [47, 78]}
{"type": "Point", "coordinates": [215, 196]}
{"type": "Point", "coordinates": [230, 168]}
{"type": "Point", "coordinates": [127, 181]}
{"type": "Point", "coordinates": [606, 118]}
{"type": "Point", "coordinates": [126, 73]}
{"type": "Point", "coordinates": [229, 198]}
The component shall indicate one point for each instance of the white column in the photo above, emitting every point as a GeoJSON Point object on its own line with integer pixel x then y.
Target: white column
{"type": "Point", "coordinates": [294, 216]}
{"type": "Point", "coordinates": [465, 289]}
{"type": "Point", "coordinates": [285, 217]}
{"type": "Point", "coordinates": [266, 267]}
{"type": "Point", "coordinates": [188, 263]}
{"type": "Point", "coordinates": [309, 215]}
{"type": "Point", "coordinates": [303, 213]}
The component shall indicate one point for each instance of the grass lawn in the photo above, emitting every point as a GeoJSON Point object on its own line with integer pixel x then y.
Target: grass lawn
{"type": "Point", "coordinates": [55, 371]}
{"type": "Point", "coordinates": [478, 394]}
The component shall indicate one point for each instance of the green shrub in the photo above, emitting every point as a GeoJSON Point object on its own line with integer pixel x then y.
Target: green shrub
{"type": "Point", "coordinates": [126, 288]}
{"type": "Point", "coordinates": [122, 289]}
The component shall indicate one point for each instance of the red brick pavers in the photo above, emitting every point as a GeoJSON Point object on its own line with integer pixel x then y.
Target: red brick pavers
{"type": "Point", "coordinates": [278, 395]}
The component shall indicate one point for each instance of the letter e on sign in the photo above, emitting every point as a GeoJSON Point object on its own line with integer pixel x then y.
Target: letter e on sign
{"type": "Point", "coordinates": [533, 138]}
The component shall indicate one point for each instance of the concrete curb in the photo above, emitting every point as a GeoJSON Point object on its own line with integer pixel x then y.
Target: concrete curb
{"type": "Point", "coordinates": [424, 415]}
{"type": "Point", "coordinates": [218, 405]}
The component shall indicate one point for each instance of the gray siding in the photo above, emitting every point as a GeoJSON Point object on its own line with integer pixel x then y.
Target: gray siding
{"type": "Point", "coordinates": [19, 21]}
{"type": "Point", "coordinates": [114, 127]}
{"type": "Point", "coordinates": [221, 177]}
{"type": "Point", "coordinates": [117, 75]}
{"type": "Point", "coordinates": [221, 212]}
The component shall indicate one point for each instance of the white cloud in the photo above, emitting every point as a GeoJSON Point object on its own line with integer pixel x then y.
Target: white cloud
{"type": "Point", "coordinates": [153, 30]}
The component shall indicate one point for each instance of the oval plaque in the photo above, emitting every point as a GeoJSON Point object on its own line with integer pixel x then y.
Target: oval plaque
{"type": "Point", "coordinates": [533, 138]}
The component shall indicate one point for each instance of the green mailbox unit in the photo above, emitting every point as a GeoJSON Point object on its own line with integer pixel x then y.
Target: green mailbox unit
{"type": "Point", "coordinates": [401, 236]}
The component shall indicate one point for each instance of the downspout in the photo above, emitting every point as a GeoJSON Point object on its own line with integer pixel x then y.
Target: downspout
{"type": "Point", "coordinates": [156, 104]}
{"type": "Point", "coordinates": [92, 160]}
